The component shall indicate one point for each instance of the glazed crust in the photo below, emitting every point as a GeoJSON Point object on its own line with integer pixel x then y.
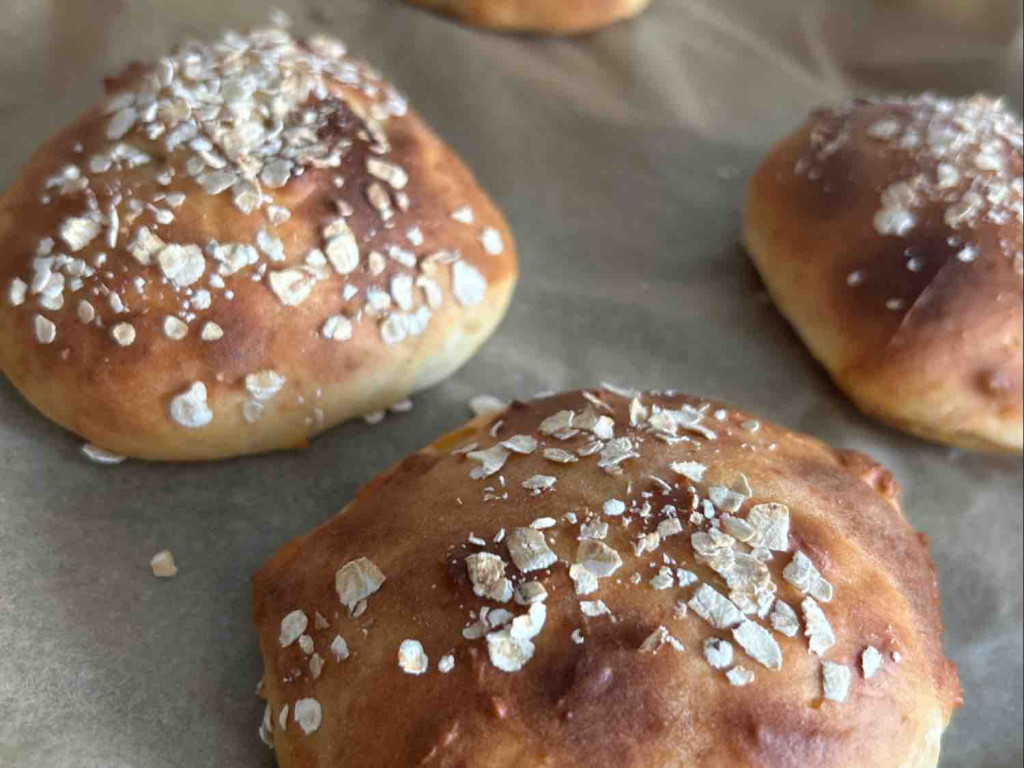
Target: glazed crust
{"type": "Point", "coordinates": [944, 359]}
{"type": "Point", "coordinates": [603, 702]}
{"type": "Point", "coordinates": [556, 17]}
{"type": "Point", "coordinates": [119, 397]}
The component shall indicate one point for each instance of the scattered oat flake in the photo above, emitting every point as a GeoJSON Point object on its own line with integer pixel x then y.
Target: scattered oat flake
{"type": "Point", "coordinates": [163, 565]}
{"type": "Point", "coordinates": [189, 409]}
{"type": "Point", "coordinates": [508, 653]}
{"type": "Point", "coordinates": [739, 676]}
{"type": "Point", "coordinates": [521, 444]}
{"type": "Point", "coordinates": [560, 456]}
{"type": "Point", "coordinates": [529, 550]}
{"type": "Point", "coordinates": [717, 652]}
{"type": "Point", "coordinates": [411, 658]}
{"type": "Point", "coordinates": [446, 664]}
{"type": "Point", "coordinates": [293, 626]}
{"type": "Point", "coordinates": [802, 574]}
{"type": "Point", "coordinates": [716, 609]}
{"type": "Point", "coordinates": [784, 619]}
{"type": "Point", "coordinates": [584, 582]}
{"type": "Point", "coordinates": [613, 507]}
{"type": "Point", "coordinates": [530, 592]}
{"type": "Point", "coordinates": [357, 580]}
{"type": "Point", "coordinates": [100, 455]}
{"type": "Point", "coordinates": [489, 461]}
{"type": "Point", "coordinates": [537, 484]}
{"type": "Point", "coordinates": [469, 287]}
{"type": "Point", "coordinates": [691, 470]}
{"type": "Point", "coordinates": [759, 644]}
{"type": "Point", "coordinates": [598, 557]}
{"type": "Point", "coordinates": [487, 575]}
{"type": "Point", "coordinates": [835, 680]}
{"type": "Point", "coordinates": [816, 627]}
{"type": "Point", "coordinates": [339, 648]}
{"type": "Point", "coordinates": [870, 661]}
{"type": "Point", "coordinates": [483, 404]}
{"type": "Point", "coordinates": [307, 715]}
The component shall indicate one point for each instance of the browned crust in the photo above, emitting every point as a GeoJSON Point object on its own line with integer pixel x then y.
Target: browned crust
{"type": "Point", "coordinates": [118, 398]}
{"type": "Point", "coordinates": [947, 367]}
{"type": "Point", "coordinates": [602, 703]}
{"type": "Point", "coordinates": [556, 17]}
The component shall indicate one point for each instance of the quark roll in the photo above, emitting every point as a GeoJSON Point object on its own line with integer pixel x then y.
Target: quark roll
{"type": "Point", "coordinates": [889, 234]}
{"type": "Point", "coordinates": [239, 246]}
{"type": "Point", "coordinates": [603, 579]}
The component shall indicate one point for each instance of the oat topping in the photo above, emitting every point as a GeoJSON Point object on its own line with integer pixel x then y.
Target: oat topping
{"type": "Point", "coordinates": [759, 644]}
{"type": "Point", "coordinates": [411, 658]}
{"type": "Point", "coordinates": [784, 619]}
{"type": "Point", "coordinates": [870, 661]}
{"type": "Point", "coordinates": [691, 470]}
{"type": "Point", "coordinates": [537, 484]}
{"type": "Point", "coordinates": [99, 455]}
{"type": "Point", "coordinates": [529, 550]}
{"type": "Point", "coordinates": [530, 592]}
{"type": "Point", "coordinates": [598, 558]}
{"type": "Point", "coordinates": [658, 638]}
{"type": "Point", "coordinates": [740, 676]}
{"type": "Point", "coordinates": [162, 564]}
{"type": "Point", "coordinates": [674, 522]}
{"type": "Point", "coordinates": [44, 329]}
{"type": "Point", "coordinates": [487, 575]}
{"type": "Point", "coordinates": [802, 574]}
{"type": "Point", "coordinates": [718, 653]}
{"type": "Point", "coordinates": [835, 680]}
{"type": "Point", "coordinates": [583, 580]}
{"type": "Point", "coordinates": [240, 119]}
{"type": "Point", "coordinates": [292, 627]}
{"type": "Point", "coordinates": [189, 409]}
{"type": "Point", "coordinates": [339, 648]}
{"type": "Point", "coordinates": [816, 627]}
{"type": "Point", "coordinates": [266, 730]}
{"type": "Point", "coordinates": [123, 334]}
{"type": "Point", "coordinates": [954, 155]}
{"type": "Point", "coordinates": [594, 608]}
{"type": "Point", "coordinates": [307, 715]}
{"type": "Point", "coordinates": [488, 461]}
{"type": "Point", "coordinates": [357, 580]}
{"type": "Point", "coordinates": [716, 609]}
{"type": "Point", "coordinates": [482, 404]}
{"type": "Point", "coordinates": [508, 653]}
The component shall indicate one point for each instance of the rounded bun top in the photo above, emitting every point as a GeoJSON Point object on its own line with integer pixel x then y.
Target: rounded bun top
{"type": "Point", "coordinates": [235, 219]}
{"type": "Point", "coordinates": [608, 578]}
{"type": "Point", "coordinates": [961, 158]}
{"type": "Point", "coordinates": [556, 17]}
{"type": "Point", "coordinates": [889, 232]}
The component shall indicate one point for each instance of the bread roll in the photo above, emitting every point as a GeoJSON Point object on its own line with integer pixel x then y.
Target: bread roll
{"type": "Point", "coordinates": [556, 17]}
{"type": "Point", "coordinates": [889, 234]}
{"type": "Point", "coordinates": [597, 580]}
{"type": "Point", "coordinates": [239, 246]}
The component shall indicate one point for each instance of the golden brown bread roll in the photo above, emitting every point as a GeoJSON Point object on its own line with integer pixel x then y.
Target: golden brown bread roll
{"type": "Point", "coordinates": [889, 234]}
{"type": "Point", "coordinates": [558, 17]}
{"type": "Point", "coordinates": [240, 246]}
{"type": "Point", "coordinates": [597, 580]}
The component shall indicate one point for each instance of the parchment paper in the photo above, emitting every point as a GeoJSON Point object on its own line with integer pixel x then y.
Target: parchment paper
{"type": "Point", "coordinates": [620, 159]}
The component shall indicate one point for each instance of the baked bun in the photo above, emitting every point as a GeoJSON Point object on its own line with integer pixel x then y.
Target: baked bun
{"type": "Point", "coordinates": [889, 234]}
{"type": "Point", "coordinates": [556, 17]}
{"type": "Point", "coordinates": [595, 580]}
{"type": "Point", "coordinates": [240, 246]}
